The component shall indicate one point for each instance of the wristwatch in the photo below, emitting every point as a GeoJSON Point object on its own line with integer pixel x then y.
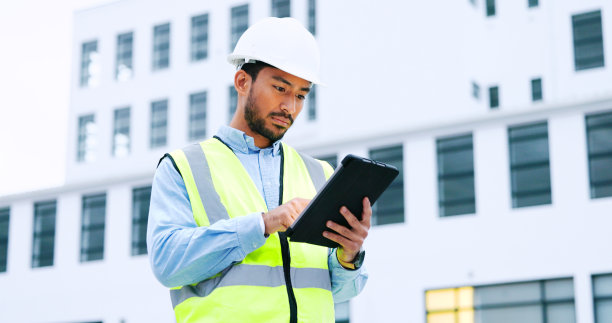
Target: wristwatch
{"type": "Point", "coordinates": [357, 262]}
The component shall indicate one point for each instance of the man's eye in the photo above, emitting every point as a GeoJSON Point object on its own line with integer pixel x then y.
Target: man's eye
{"type": "Point", "coordinates": [280, 89]}
{"type": "Point", "coordinates": [301, 97]}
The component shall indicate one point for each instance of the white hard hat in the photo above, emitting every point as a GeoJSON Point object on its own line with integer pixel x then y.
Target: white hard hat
{"type": "Point", "coordinates": [283, 43]}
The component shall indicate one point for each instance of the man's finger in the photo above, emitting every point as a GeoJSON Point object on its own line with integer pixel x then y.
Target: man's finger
{"type": "Point", "coordinates": [350, 218]}
{"type": "Point", "coordinates": [344, 231]}
{"type": "Point", "coordinates": [367, 212]}
{"type": "Point", "coordinates": [344, 242]}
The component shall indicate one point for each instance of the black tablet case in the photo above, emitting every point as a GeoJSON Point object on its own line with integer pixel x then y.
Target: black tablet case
{"type": "Point", "coordinates": [354, 179]}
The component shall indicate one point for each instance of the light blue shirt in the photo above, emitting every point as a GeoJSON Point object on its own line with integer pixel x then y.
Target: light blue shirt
{"type": "Point", "coordinates": [181, 253]}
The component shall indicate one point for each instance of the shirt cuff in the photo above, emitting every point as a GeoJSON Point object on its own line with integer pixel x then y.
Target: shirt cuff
{"type": "Point", "coordinates": [250, 232]}
{"type": "Point", "coordinates": [335, 264]}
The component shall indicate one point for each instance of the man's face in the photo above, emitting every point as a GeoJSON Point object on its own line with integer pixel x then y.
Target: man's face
{"type": "Point", "coordinates": [274, 101]}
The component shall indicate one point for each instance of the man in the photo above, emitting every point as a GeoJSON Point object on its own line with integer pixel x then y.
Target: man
{"type": "Point", "coordinates": [219, 208]}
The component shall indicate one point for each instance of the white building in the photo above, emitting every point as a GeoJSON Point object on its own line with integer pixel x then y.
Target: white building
{"type": "Point", "coordinates": [498, 113]}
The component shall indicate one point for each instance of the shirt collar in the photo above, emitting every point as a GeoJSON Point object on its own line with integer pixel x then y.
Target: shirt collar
{"type": "Point", "coordinates": [240, 141]}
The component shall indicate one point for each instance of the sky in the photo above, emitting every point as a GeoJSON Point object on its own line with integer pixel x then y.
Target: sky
{"type": "Point", "coordinates": [36, 38]}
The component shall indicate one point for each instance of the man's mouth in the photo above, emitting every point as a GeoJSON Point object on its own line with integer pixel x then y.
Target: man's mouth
{"type": "Point", "coordinates": [282, 121]}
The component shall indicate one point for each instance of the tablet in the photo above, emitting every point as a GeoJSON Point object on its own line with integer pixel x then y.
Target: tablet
{"type": "Point", "coordinates": [354, 179]}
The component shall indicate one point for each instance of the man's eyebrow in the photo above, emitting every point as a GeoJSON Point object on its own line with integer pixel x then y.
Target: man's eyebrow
{"type": "Point", "coordinates": [280, 79]}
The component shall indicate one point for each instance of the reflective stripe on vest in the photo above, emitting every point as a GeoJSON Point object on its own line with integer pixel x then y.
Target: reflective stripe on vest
{"type": "Point", "coordinates": [253, 275]}
{"type": "Point", "coordinates": [203, 181]}
{"type": "Point", "coordinates": [253, 290]}
{"type": "Point", "coordinates": [315, 169]}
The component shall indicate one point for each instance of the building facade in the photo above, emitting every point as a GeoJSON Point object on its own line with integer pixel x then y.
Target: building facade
{"type": "Point", "coordinates": [498, 114]}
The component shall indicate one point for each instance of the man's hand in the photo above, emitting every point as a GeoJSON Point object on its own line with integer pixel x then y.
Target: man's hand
{"type": "Point", "coordinates": [350, 240]}
{"type": "Point", "coordinates": [283, 216]}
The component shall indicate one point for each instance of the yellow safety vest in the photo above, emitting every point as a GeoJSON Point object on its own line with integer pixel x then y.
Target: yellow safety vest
{"type": "Point", "coordinates": [258, 289]}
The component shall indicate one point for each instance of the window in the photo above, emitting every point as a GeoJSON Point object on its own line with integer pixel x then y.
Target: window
{"type": "Point", "coordinates": [159, 123]}
{"type": "Point", "coordinates": [140, 215]}
{"type": "Point", "coordinates": [281, 8]}
{"type": "Point", "coordinates": [599, 142]}
{"type": "Point", "coordinates": [312, 103]}
{"type": "Point", "coordinates": [532, 3]}
{"type": "Point", "coordinates": [312, 16]}
{"type": "Point", "coordinates": [537, 301]}
{"type": "Point", "coordinates": [121, 132]}
{"type": "Point", "coordinates": [602, 298]}
{"type": "Point", "coordinates": [4, 234]}
{"type": "Point", "coordinates": [490, 8]}
{"type": "Point", "coordinates": [44, 234]}
{"type": "Point", "coordinates": [199, 37]}
{"type": "Point", "coordinates": [529, 165]}
{"type": "Point", "coordinates": [475, 90]}
{"type": "Point", "coordinates": [90, 64]}
{"type": "Point", "coordinates": [536, 89]}
{"type": "Point", "coordinates": [588, 40]}
{"type": "Point", "coordinates": [331, 159]}
{"type": "Point", "coordinates": [233, 101]}
{"type": "Point", "coordinates": [456, 176]}
{"type": "Point", "coordinates": [494, 97]}
{"type": "Point", "coordinates": [389, 207]}
{"type": "Point", "coordinates": [240, 23]}
{"type": "Point", "coordinates": [342, 312]}
{"type": "Point", "coordinates": [92, 227]}
{"type": "Point", "coordinates": [123, 69]}
{"type": "Point", "coordinates": [161, 46]}
{"type": "Point", "coordinates": [197, 116]}
{"type": "Point", "coordinates": [86, 140]}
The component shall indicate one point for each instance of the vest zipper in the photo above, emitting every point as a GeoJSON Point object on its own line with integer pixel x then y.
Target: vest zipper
{"type": "Point", "coordinates": [285, 250]}
{"type": "Point", "coordinates": [287, 272]}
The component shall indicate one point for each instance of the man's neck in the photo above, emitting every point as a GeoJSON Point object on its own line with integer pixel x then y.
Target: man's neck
{"type": "Point", "coordinates": [259, 140]}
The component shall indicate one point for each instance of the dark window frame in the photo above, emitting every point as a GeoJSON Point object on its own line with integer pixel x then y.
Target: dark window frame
{"type": "Point", "coordinates": [312, 103]}
{"type": "Point", "coordinates": [237, 23]}
{"type": "Point", "coordinates": [596, 122]}
{"type": "Point", "coordinates": [199, 37]}
{"type": "Point", "coordinates": [90, 204]}
{"type": "Point", "coordinates": [5, 220]}
{"type": "Point", "coordinates": [121, 126]}
{"type": "Point", "coordinates": [281, 8]}
{"type": "Point", "coordinates": [125, 53]}
{"type": "Point", "coordinates": [490, 8]}
{"type": "Point", "coordinates": [161, 46]}
{"type": "Point", "coordinates": [82, 135]}
{"type": "Point", "coordinates": [396, 214]}
{"type": "Point", "coordinates": [454, 144]}
{"type": "Point", "coordinates": [494, 97]}
{"type": "Point", "coordinates": [475, 90]}
{"type": "Point", "coordinates": [536, 89]}
{"type": "Point", "coordinates": [87, 48]}
{"type": "Point", "coordinates": [312, 16]}
{"type": "Point", "coordinates": [233, 101]}
{"type": "Point", "coordinates": [523, 193]}
{"type": "Point", "coordinates": [597, 299]}
{"type": "Point", "coordinates": [591, 44]}
{"type": "Point", "coordinates": [158, 130]}
{"type": "Point", "coordinates": [141, 197]}
{"type": "Point", "coordinates": [198, 103]}
{"type": "Point", "coordinates": [41, 256]}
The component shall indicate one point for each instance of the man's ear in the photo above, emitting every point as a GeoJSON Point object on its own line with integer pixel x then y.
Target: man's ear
{"type": "Point", "coordinates": [242, 82]}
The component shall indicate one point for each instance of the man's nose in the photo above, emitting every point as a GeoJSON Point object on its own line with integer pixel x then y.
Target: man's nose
{"type": "Point", "coordinates": [289, 104]}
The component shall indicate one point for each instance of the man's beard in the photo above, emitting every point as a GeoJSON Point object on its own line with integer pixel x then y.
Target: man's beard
{"type": "Point", "coordinates": [257, 123]}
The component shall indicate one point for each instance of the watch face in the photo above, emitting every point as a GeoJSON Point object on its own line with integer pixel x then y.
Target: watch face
{"type": "Point", "coordinates": [359, 259]}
